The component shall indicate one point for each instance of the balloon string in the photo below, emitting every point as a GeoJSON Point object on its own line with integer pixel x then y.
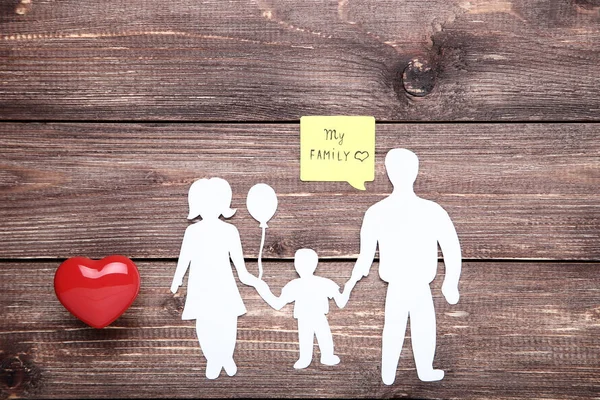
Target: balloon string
{"type": "Point", "coordinates": [262, 244]}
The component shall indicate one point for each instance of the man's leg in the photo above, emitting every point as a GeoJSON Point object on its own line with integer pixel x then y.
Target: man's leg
{"type": "Point", "coordinates": [325, 341]}
{"type": "Point", "coordinates": [423, 335]}
{"type": "Point", "coordinates": [394, 328]}
{"type": "Point", "coordinates": [306, 336]}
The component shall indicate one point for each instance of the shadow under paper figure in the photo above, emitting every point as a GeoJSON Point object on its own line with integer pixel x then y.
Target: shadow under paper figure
{"type": "Point", "coordinates": [407, 230]}
{"type": "Point", "coordinates": [310, 295]}
{"type": "Point", "coordinates": [213, 298]}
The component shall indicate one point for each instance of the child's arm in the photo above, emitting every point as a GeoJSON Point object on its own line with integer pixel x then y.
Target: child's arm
{"type": "Point", "coordinates": [341, 299]}
{"type": "Point", "coordinates": [265, 292]}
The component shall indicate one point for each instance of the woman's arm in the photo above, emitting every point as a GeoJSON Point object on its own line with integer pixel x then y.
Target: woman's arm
{"type": "Point", "coordinates": [183, 262]}
{"type": "Point", "coordinates": [237, 257]}
{"type": "Point", "coordinates": [265, 292]}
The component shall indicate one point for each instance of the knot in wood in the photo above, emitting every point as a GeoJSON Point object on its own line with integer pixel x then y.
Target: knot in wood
{"type": "Point", "coordinates": [23, 7]}
{"type": "Point", "coordinates": [589, 4]}
{"type": "Point", "coordinates": [418, 77]}
{"type": "Point", "coordinates": [19, 377]}
{"type": "Point", "coordinates": [174, 305]}
{"type": "Point", "coordinates": [279, 247]}
{"type": "Point", "coordinates": [12, 372]}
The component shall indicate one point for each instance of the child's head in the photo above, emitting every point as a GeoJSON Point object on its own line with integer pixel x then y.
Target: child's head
{"type": "Point", "coordinates": [210, 198]}
{"type": "Point", "coordinates": [305, 261]}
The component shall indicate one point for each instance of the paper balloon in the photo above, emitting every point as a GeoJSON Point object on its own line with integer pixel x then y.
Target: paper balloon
{"type": "Point", "coordinates": [262, 203]}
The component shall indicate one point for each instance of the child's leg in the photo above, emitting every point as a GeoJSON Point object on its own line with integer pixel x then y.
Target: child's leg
{"type": "Point", "coordinates": [306, 335]}
{"type": "Point", "coordinates": [325, 341]}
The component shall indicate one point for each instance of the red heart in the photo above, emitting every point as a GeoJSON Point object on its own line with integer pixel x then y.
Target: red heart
{"type": "Point", "coordinates": [97, 292]}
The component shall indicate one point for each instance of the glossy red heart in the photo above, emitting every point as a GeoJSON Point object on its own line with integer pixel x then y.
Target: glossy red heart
{"type": "Point", "coordinates": [97, 291]}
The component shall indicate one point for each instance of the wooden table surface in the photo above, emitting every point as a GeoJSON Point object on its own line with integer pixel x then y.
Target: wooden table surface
{"type": "Point", "coordinates": [109, 110]}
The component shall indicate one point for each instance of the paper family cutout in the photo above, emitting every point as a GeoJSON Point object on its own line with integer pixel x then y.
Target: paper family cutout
{"type": "Point", "coordinates": [310, 295]}
{"type": "Point", "coordinates": [405, 228]}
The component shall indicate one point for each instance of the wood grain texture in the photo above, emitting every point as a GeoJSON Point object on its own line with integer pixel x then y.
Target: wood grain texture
{"type": "Point", "coordinates": [520, 330]}
{"type": "Point", "coordinates": [214, 86]}
{"type": "Point", "coordinates": [281, 59]}
{"type": "Point", "coordinates": [514, 191]}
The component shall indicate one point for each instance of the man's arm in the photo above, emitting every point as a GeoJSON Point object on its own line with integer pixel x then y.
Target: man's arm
{"type": "Point", "coordinates": [368, 246]}
{"type": "Point", "coordinates": [448, 240]}
{"type": "Point", "coordinates": [333, 292]}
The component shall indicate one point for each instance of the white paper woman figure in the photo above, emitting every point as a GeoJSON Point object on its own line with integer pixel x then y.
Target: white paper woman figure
{"type": "Point", "coordinates": [407, 230]}
{"type": "Point", "coordinates": [213, 299]}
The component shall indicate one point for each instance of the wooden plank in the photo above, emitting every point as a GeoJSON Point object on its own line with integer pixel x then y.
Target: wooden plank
{"type": "Point", "coordinates": [513, 190]}
{"type": "Point", "coordinates": [520, 330]}
{"type": "Point", "coordinates": [278, 60]}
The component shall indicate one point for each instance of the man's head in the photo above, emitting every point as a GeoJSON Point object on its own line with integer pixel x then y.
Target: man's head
{"type": "Point", "coordinates": [402, 167]}
{"type": "Point", "coordinates": [305, 261]}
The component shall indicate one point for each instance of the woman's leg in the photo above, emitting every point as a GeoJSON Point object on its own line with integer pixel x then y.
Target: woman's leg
{"type": "Point", "coordinates": [228, 341]}
{"type": "Point", "coordinates": [217, 337]}
{"type": "Point", "coordinates": [204, 330]}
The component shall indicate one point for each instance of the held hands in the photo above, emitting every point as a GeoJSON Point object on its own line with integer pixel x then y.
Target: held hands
{"type": "Point", "coordinates": [342, 299]}
{"type": "Point", "coordinates": [450, 293]}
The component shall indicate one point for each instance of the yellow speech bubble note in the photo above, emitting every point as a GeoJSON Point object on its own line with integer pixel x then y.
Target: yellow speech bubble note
{"type": "Point", "coordinates": [337, 149]}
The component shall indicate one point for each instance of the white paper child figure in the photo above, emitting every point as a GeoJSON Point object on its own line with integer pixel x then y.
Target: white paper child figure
{"type": "Point", "coordinates": [213, 298]}
{"type": "Point", "coordinates": [407, 230]}
{"type": "Point", "coordinates": [310, 295]}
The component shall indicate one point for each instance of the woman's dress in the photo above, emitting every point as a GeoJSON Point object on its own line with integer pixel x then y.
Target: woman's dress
{"type": "Point", "coordinates": [212, 291]}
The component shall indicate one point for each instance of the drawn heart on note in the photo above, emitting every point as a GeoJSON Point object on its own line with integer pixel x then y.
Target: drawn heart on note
{"type": "Point", "coordinates": [361, 155]}
{"type": "Point", "coordinates": [97, 291]}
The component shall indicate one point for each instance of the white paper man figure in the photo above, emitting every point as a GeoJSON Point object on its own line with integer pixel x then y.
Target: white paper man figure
{"type": "Point", "coordinates": [407, 230]}
{"type": "Point", "coordinates": [213, 299]}
{"type": "Point", "coordinates": [311, 295]}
